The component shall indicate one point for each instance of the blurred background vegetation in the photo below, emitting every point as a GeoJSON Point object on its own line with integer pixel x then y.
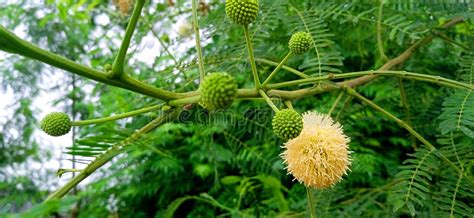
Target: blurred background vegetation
{"type": "Point", "coordinates": [228, 164]}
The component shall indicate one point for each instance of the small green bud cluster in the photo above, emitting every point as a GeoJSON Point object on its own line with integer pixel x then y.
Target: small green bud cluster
{"type": "Point", "coordinates": [300, 42]}
{"type": "Point", "coordinates": [56, 124]}
{"type": "Point", "coordinates": [218, 91]}
{"type": "Point", "coordinates": [108, 68]}
{"type": "Point", "coordinates": [287, 124]}
{"type": "Point", "coordinates": [242, 12]}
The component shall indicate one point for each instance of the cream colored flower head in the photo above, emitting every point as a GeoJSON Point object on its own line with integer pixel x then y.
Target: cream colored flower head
{"type": "Point", "coordinates": [320, 155]}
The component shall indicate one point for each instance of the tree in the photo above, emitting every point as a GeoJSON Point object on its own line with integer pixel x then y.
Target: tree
{"type": "Point", "coordinates": [369, 66]}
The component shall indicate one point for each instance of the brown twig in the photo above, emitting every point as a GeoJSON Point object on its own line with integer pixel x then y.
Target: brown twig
{"type": "Point", "coordinates": [365, 79]}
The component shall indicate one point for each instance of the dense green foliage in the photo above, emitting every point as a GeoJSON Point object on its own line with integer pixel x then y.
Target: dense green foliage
{"type": "Point", "coordinates": [227, 162]}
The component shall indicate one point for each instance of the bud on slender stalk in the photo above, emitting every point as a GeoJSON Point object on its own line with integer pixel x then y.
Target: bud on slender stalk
{"type": "Point", "coordinates": [242, 12]}
{"type": "Point", "coordinates": [56, 124]}
{"type": "Point", "coordinates": [287, 124]}
{"type": "Point", "coordinates": [300, 42]}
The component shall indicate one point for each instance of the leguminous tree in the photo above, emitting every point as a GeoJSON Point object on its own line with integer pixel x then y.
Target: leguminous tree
{"type": "Point", "coordinates": [333, 75]}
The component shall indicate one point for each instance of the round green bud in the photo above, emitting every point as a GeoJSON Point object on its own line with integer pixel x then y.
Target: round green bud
{"type": "Point", "coordinates": [218, 91]}
{"type": "Point", "coordinates": [242, 12]}
{"type": "Point", "coordinates": [300, 42]}
{"type": "Point", "coordinates": [287, 124]}
{"type": "Point", "coordinates": [166, 108]}
{"type": "Point", "coordinates": [56, 124]}
{"type": "Point", "coordinates": [108, 67]}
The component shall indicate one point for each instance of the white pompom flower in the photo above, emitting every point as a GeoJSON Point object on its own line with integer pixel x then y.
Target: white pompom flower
{"type": "Point", "coordinates": [320, 155]}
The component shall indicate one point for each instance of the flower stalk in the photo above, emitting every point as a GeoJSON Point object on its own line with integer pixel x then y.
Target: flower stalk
{"type": "Point", "coordinates": [251, 57]}
{"type": "Point", "coordinates": [202, 72]}
{"type": "Point", "coordinates": [270, 77]}
{"type": "Point", "coordinates": [116, 117]}
{"type": "Point", "coordinates": [310, 202]}
{"type": "Point", "coordinates": [119, 62]}
{"type": "Point", "coordinates": [268, 100]}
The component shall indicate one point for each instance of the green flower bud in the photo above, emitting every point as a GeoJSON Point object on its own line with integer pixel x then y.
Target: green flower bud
{"type": "Point", "coordinates": [300, 42]}
{"type": "Point", "coordinates": [56, 124]}
{"type": "Point", "coordinates": [218, 91]}
{"type": "Point", "coordinates": [287, 124]}
{"type": "Point", "coordinates": [242, 12]}
{"type": "Point", "coordinates": [107, 67]}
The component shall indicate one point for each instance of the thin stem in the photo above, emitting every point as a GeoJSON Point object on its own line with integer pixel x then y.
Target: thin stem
{"type": "Point", "coordinates": [402, 74]}
{"type": "Point", "coordinates": [71, 170]}
{"type": "Point", "coordinates": [164, 95]}
{"type": "Point", "coordinates": [166, 48]}
{"type": "Point", "coordinates": [403, 124]}
{"type": "Point", "coordinates": [336, 102]}
{"type": "Point", "coordinates": [182, 101]}
{"type": "Point", "coordinates": [268, 100]}
{"type": "Point", "coordinates": [451, 41]}
{"type": "Point", "coordinates": [251, 57]}
{"type": "Point", "coordinates": [284, 67]}
{"type": "Point", "coordinates": [306, 26]}
{"type": "Point", "coordinates": [118, 65]}
{"type": "Point", "coordinates": [253, 99]}
{"type": "Point", "coordinates": [74, 113]}
{"type": "Point", "coordinates": [100, 161]}
{"type": "Point", "coordinates": [62, 171]}
{"type": "Point", "coordinates": [404, 101]}
{"type": "Point", "coordinates": [344, 106]}
{"type": "Point", "coordinates": [217, 204]}
{"type": "Point", "coordinates": [310, 203]}
{"type": "Point", "coordinates": [157, 151]}
{"type": "Point", "coordinates": [288, 104]}
{"type": "Point", "coordinates": [277, 69]}
{"type": "Point", "coordinates": [116, 117]}
{"type": "Point", "coordinates": [111, 153]}
{"type": "Point", "coordinates": [161, 42]}
{"type": "Point", "coordinates": [202, 72]}
{"type": "Point", "coordinates": [379, 32]}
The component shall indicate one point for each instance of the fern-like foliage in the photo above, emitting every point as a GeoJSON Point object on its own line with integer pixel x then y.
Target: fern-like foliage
{"type": "Point", "coordinates": [402, 27]}
{"type": "Point", "coordinates": [424, 185]}
{"type": "Point", "coordinates": [453, 193]}
{"type": "Point", "coordinates": [397, 25]}
{"type": "Point", "coordinates": [458, 113]}
{"type": "Point", "coordinates": [324, 58]}
{"type": "Point", "coordinates": [257, 153]}
{"type": "Point", "coordinates": [458, 109]}
{"type": "Point", "coordinates": [267, 26]}
{"type": "Point", "coordinates": [87, 148]}
{"type": "Point", "coordinates": [466, 62]}
{"type": "Point", "coordinates": [440, 7]}
{"type": "Point", "coordinates": [356, 202]}
{"type": "Point", "coordinates": [412, 190]}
